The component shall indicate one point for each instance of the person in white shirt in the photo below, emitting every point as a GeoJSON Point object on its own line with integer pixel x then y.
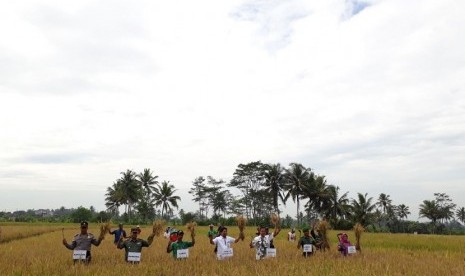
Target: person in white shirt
{"type": "Point", "coordinates": [223, 243]}
{"type": "Point", "coordinates": [291, 235]}
{"type": "Point", "coordinates": [262, 242]}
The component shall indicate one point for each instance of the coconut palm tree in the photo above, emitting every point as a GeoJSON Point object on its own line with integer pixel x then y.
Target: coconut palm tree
{"type": "Point", "coordinates": [275, 182]}
{"type": "Point", "coordinates": [430, 209]}
{"type": "Point", "coordinates": [164, 197]}
{"type": "Point", "coordinates": [296, 177]}
{"type": "Point", "coordinates": [362, 209]}
{"type": "Point", "coordinates": [131, 189]}
{"type": "Point", "coordinates": [148, 181]}
{"type": "Point", "coordinates": [384, 202]}
{"type": "Point", "coordinates": [461, 214]}
{"type": "Point", "coordinates": [402, 211]}
{"type": "Point", "coordinates": [114, 198]}
{"type": "Point", "coordinates": [339, 205]}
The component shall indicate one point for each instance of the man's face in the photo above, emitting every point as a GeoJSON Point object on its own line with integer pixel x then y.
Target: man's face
{"type": "Point", "coordinates": [306, 233]}
{"type": "Point", "coordinates": [84, 229]}
{"type": "Point", "coordinates": [120, 226]}
{"type": "Point", "coordinates": [180, 236]}
{"type": "Point", "coordinates": [224, 232]}
{"type": "Point", "coordinates": [134, 235]}
{"type": "Point", "coordinates": [262, 232]}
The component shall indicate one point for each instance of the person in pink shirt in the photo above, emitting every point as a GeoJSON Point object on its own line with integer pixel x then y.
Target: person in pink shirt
{"type": "Point", "coordinates": [344, 243]}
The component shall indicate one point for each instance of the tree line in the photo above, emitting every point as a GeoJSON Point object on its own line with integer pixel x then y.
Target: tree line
{"type": "Point", "coordinates": [258, 189]}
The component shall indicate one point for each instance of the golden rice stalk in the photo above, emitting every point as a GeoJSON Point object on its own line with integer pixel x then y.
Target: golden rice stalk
{"type": "Point", "coordinates": [323, 227]}
{"type": "Point", "coordinates": [191, 227]}
{"type": "Point", "coordinates": [157, 227]}
{"type": "Point", "coordinates": [103, 230]}
{"type": "Point", "coordinates": [358, 229]}
{"type": "Point", "coordinates": [241, 221]}
{"type": "Point", "coordinates": [0, 234]}
{"type": "Point", "coordinates": [275, 219]}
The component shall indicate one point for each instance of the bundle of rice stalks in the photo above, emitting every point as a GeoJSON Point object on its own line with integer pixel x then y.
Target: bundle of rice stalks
{"type": "Point", "coordinates": [191, 227]}
{"type": "Point", "coordinates": [241, 221]}
{"type": "Point", "coordinates": [104, 229]}
{"type": "Point", "coordinates": [157, 227]}
{"type": "Point", "coordinates": [358, 229]}
{"type": "Point", "coordinates": [275, 220]}
{"type": "Point", "coordinates": [323, 227]}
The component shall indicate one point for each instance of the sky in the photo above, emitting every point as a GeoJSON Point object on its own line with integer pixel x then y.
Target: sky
{"type": "Point", "coordinates": [370, 94]}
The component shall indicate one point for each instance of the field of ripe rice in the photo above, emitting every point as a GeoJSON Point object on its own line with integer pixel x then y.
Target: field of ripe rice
{"type": "Point", "coordinates": [383, 254]}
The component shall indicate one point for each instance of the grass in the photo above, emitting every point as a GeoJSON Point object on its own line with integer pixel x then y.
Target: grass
{"type": "Point", "coordinates": [383, 254]}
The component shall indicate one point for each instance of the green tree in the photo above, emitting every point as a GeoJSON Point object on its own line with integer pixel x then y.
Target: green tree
{"type": "Point", "coordinates": [275, 184]}
{"type": "Point", "coordinates": [164, 197]}
{"type": "Point", "coordinates": [199, 191]}
{"type": "Point", "coordinates": [248, 178]}
{"type": "Point", "coordinates": [131, 189]}
{"type": "Point", "coordinates": [114, 198]}
{"type": "Point", "coordinates": [403, 211]}
{"type": "Point", "coordinates": [81, 214]}
{"type": "Point", "coordinates": [384, 202]}
{"type": "Point", "coordinates": [430, 209]}
{"type": "Point", "coordinates": [296, 177]}
{"type": "Point", "coordinates": [362, 209]}
{"type": "Point", "coordinates": [461, 214]}
{"type": "Point", "coordinates": [148, 181]}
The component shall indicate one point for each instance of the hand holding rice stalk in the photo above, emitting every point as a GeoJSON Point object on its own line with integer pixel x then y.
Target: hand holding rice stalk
{"type": "Point", "coordinates": [157, 227]}
{"type": "Point", "coordinates": [323, 227]}
{"type": "Point", "coordinates": [104, 228]}
{"type": "Point", "coordinates": [191, 227]}
{"type": "Point", "coordinates": [241, 221]}
{"type": "Point", "coordinates": [275, 220]}
{"type": "Point", "coordinates": [358, 229]}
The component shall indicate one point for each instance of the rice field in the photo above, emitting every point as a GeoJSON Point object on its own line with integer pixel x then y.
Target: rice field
{"type": "Point", "coordinates": [382, 254]}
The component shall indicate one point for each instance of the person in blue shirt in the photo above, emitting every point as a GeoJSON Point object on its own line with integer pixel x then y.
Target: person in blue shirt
{"type": "Point", "coordinates": [118, 233]}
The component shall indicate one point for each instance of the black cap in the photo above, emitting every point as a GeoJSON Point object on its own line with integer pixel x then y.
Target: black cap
{"type": "Point", "coordinates": [180, 232]}
{"type": "Point", "coordinates": [84, 224]}
{"type": "Point", "coordinates": [134, 230]}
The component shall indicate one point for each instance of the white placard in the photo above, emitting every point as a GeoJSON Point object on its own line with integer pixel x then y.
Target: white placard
{"type": "Point", "coordinates": [182, 253]}
{"type": "Point", "coordinates": [79, 254]}
{"type": "Point", "coordinates": [308, 248]}
{"type": "Point", "coordinates": [351, 249]}
{"type": "Point", "coordinates": [134, 256]}
{"type": "Point", "coordinates": [271, 252]}
{"type": "Point", "coordinates": [225, 253]}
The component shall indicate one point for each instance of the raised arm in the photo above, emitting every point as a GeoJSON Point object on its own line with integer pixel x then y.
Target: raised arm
{"type": "Point", "coordinates": [211, 241]}
{"type": "Point", "coordinates": [96, 242]}
{"type": "Point", "coordinates": [169, 248]}
{"type": "Point", "coordinates": [150, 239]}
{"type": "Point", "coordinates": [69, 246]}
{"type": "Point", "coordinates": [120, 243]}
{"type": "Point", "coordinates": [276, 231]}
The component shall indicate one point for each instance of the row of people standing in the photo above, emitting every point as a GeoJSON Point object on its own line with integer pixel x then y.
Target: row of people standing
{"type": "Point", "coordinates": [263, 242]}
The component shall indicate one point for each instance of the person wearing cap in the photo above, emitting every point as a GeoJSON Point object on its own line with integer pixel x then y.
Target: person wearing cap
{"type": "Point", "coordinates": [179, 244]}
{"type": "Point", "coordinates": [134, 244]}
{"type": "Point", "coordinates": [344, 243]}
{"type": "Point", "coordinates": [262, 242]}
{"type": "Point", "coordinates": [118, 233]}
{"type": "Point", "coordinates": [223, 241]}
{"type": "Point", "coordinates": [306, 239]}
{"type": "Point", "coordinates": [83, 241]}
{"type": "Point", "coordinates": [212, 232]}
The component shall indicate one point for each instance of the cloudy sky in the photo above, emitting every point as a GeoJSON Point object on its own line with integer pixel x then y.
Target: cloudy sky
{"type": "Point", "coordinates": [369, 93]}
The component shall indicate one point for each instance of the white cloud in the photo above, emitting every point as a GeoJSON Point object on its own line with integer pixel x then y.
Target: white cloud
{"type": "Point", "coordinates": [369, 93]}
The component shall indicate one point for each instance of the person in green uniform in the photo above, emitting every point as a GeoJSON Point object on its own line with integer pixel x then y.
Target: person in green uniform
{"type": "Point", "coordinates": [212, 233]}
{"type": "Point", "coordinates": [179, 244]}
{"type": "Point", "coordinates": [83, 241]}
{"type": "Point", "coordinates": [134, 244]}
{"type": "Point", "coordinates": [306, 239]}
